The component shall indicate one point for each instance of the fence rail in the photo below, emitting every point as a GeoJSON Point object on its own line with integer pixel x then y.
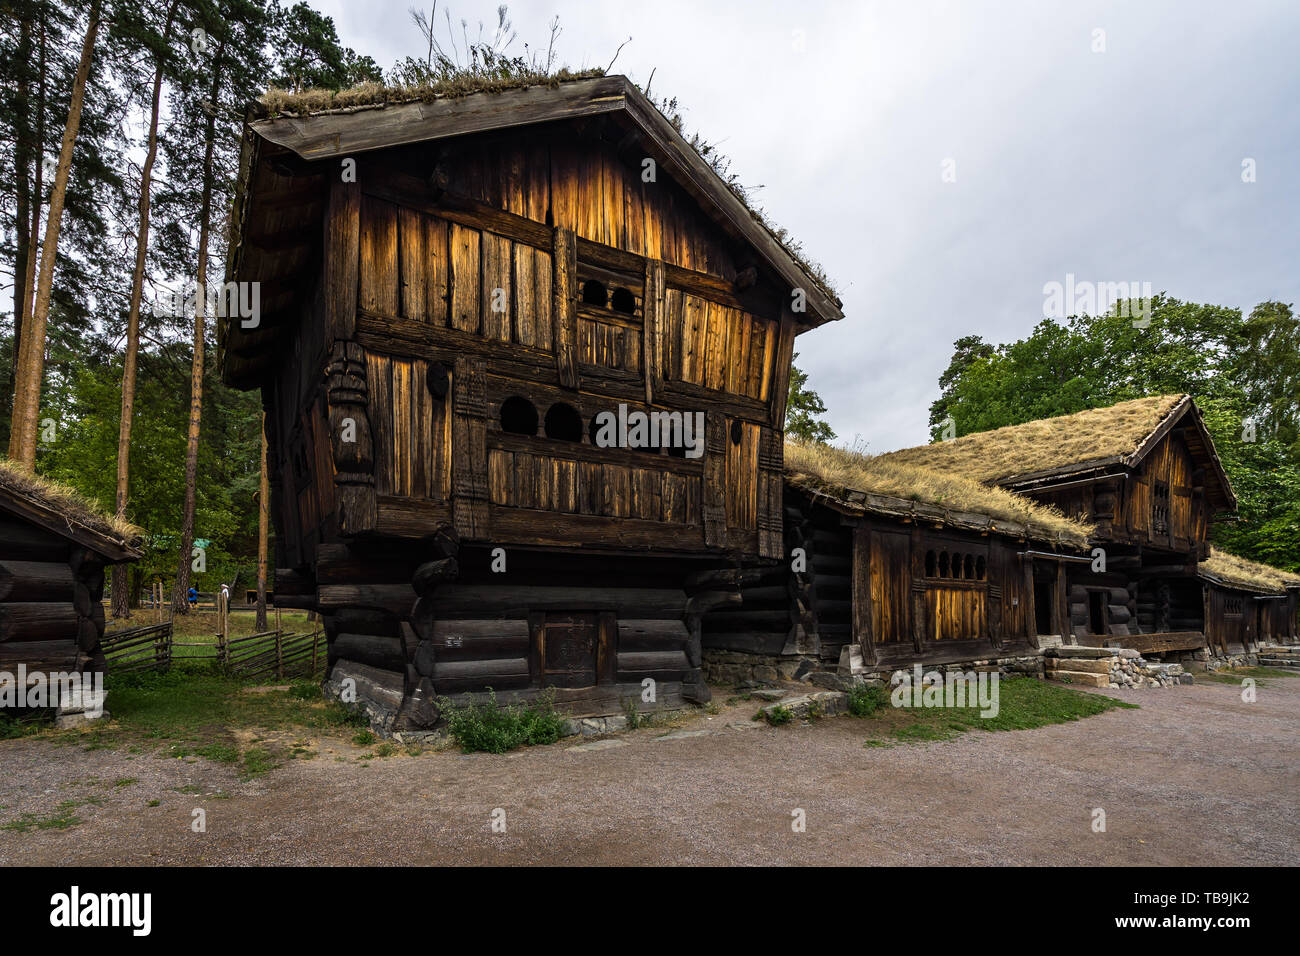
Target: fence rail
{"type": "Point", "coordinates": [269, 654]}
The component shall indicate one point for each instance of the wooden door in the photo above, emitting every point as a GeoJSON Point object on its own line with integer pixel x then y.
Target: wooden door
{"type": "Point", "coordinates": [570, 649]}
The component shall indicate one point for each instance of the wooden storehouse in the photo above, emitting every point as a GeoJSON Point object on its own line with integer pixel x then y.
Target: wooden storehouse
{"type": "Point", "coordinates": [452, 292]}
{"type": "Point", "coordinates": [1248, 605]}
{"type": "Point", "coordinates": [54, 548]}
{"type": "Point", "coordinates": [1088, 529]}
{"type": "Point", "coordinates": [1146, 475]}
{"type": "Point", "coordinates": [897, 565]}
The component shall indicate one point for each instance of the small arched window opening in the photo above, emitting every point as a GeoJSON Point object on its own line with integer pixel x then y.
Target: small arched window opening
{"type": "Point", "coordinates": [943, 564]}
{"type": "Point", "coordinates": [593, 293]}
{"type": "Point", "coordinates": [980, 568]}
{"type": "Point", "coordinates": [968, 569]}
{"type": "Point", "coordinates": [931, 563]}
{"type": "Point", "coordinates": [563, 422]}
{"type": "Point", "coordinates": [518, 416]}
{"type": "Point", "coordinates": [623, 301]}
{"type": "Point", "coordinates": [956, 565]}
{"type": "Point", "coordinates": [737, 432]}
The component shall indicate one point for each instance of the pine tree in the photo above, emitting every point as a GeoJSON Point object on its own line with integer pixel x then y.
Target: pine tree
{"type": "Point", "coordinates": [31, 346]}
{"type": "Point", "coordinates": [804, 408]}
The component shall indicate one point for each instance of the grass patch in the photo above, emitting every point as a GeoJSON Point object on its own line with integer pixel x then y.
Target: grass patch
{"type": "Point", "coordinates": [1236, 675]}
{"type": "Point", "coordinates": [61, 819]}
{"type": "Point", "coordinates": [1023, 704]}
{"type": "Point", "coordinates": [11, 728]}
{"type": "Point", "coordinates": [488, 728]}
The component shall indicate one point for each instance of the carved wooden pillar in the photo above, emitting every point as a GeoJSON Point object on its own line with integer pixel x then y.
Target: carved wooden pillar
{"type": "Point", "coordinates": [713, 505]}
{"type": "Point", "coordinates": [771, 491]}
{"type": "Point", "coordinates": [469, 478]}
{"type": "Point", "coordinates": [348, 397]}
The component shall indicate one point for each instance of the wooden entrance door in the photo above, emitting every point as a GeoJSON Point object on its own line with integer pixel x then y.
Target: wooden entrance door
{"type": "Point", "coordinates": [570, 649]}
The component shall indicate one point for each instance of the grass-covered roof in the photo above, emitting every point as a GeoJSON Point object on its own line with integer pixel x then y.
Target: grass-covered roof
{"type": "Point", "coordinates": [1095, 435]}
{"type": "Point", "coordinates": [877, 484]}
{"type": "Point", "coordinates": [62, 506]}
{"type": "Point", "coordinates": [1230, 569]}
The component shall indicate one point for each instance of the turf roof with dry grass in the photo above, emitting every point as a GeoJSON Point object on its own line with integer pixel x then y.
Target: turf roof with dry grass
{"type": "Point", "coordinates": [279, 102]}
{"type": "Point", "coordinates": [67, 506]}
{"type": "Point", "coordinates": [1230, 569]}
{"type": "Point", "coordinates": [371, 95]}
{"type": "Point", "coordinates": [1095, 436]}
{"type": "Point", "coordinates": [876, 484]}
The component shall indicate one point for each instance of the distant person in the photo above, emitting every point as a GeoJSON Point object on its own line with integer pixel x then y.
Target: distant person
{"type": "Point", "coordinates": [194, 597]}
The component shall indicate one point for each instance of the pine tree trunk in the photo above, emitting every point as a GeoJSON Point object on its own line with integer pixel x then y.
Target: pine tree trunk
{"type": "Point", "coordinates": [121, 604]}
{"type": "Point", "coordinates": [180, 602]}
{"type": "Point", "coordinates": [23, 216]}
{"type": "Point", "coordinates": [263, 522]}
{"type": "Point", "coordinates": [31, 361]}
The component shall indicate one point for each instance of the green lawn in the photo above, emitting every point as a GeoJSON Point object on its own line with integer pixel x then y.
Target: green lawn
{"type": "Point", "coordinates": [1023, 704]}
{"type": "Point", "coordinates": [1235, 675]}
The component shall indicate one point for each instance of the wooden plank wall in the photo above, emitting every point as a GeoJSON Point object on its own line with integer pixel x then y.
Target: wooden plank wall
{"type": "Point", "coordinates": [431, 275]}
{"type": "Point", "coordinates": [411, 430]}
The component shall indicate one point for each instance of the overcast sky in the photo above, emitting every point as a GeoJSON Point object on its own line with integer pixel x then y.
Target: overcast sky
{"type": "Point", "coordinates": [1121, 165]}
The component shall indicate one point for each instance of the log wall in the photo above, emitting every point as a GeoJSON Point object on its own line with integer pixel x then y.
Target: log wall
{"type": "Point", "coordinates": [51, 618]}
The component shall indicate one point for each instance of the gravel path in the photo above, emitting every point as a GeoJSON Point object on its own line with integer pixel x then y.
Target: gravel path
{"type": "Point", "coordinates": [1195, 776]}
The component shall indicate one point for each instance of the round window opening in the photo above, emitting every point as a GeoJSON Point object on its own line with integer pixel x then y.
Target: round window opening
{"type": "Point", "coordinates": [518, 416]}
{"type": "Point", "coordinates": [623, 301]}
{"type": "Point", "coordinates": [593, 293]}
{"type": "Point", "coordinates": [563, 422]}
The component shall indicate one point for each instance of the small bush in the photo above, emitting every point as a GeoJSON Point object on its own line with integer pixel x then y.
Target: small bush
{"type": "Point", "coordinates": [363, 738]}
{"type": "Point", "coordinates": [865, 701]}
{"type": "Point", "coordinates": [488, 728]}
{"type": "Point", "coordinates": [778, 715]}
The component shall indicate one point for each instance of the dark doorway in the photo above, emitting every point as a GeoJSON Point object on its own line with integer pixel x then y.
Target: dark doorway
{"type": "Point", "coordinates": [570, 643]}
{"type": "Point", "coordinates": [1044, 595]}
{"type": "Point", "coordinates": [1097, 612]}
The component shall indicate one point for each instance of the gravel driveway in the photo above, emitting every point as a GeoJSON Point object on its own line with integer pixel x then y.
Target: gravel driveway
{"type": "Point", "coordinates": [1195, 776]}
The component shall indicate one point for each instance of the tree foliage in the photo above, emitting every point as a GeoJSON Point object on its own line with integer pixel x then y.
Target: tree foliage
{"type": "Point", "coordinates": [804, 409]}
{"type": "Point", "coordinates": [1244, 373]}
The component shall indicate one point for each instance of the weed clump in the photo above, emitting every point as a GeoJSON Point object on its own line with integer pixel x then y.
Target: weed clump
{"type": "Point", "coordinates": [489, 728]}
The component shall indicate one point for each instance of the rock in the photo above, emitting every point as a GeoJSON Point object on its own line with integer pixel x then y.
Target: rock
{"type": "Point", "coordinates": [830, 681]}
{"type": "Point", "coordinates": [72, 721]}
{"type": "Point", "coordinates": [683, 734]}
{"type": "Point", "coordinates": [768, 693]}
{"type": "Point", "coordinates": [821, 704]}
{"type": "Point", "coordinates": [608, 744]}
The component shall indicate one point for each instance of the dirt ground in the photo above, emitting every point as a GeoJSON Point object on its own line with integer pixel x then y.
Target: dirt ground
{"type": "Point", "coordinates": [1196, 776]}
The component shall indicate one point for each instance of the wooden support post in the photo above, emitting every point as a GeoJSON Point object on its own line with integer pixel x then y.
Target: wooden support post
{"type": "Point", "coordinates": [469, 479]}
{"type": "Point", "coordinates": [861, 592]}
{"type": "Point", "coordinates": [342, 259]}
{"type": "Point", "coordinates": [1031, 612]}
{"type": "Point", "coordinates": [652, 335]}
{"type": "Point", "coordinates": [565, 306]}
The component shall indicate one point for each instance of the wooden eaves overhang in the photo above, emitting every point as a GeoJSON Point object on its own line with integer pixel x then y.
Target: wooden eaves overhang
{"type": "Point", "coordinates": [1219, 493]}
{"type": "Point", "coordinates": [64, 524]}
{"type": "Point", "coordinates": [276, 226]}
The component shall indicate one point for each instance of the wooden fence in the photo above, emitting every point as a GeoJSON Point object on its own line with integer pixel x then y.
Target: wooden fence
{"type": "Point", "coordinates": [270, 654]}
{"type": "Point", "coordinates": [139, 648]}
